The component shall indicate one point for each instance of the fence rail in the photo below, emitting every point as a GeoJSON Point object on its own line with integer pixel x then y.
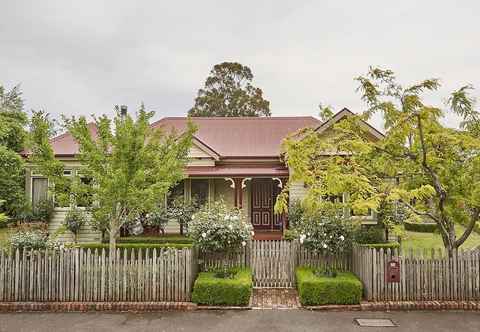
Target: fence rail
{"type": "Point", "coordinates": [424, 276]}
{"type": "Point", "coordinates": [85, 275]}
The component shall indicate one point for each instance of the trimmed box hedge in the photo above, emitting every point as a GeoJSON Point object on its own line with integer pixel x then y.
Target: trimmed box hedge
{"type": "Point", "coordinates": [211, 290]}
{"type": "Point", "coordinates": [421, 227]}
{"type": "Point", "coordinates": [100, 246]}
{"type": "Point", "coordinates": [345, 288]}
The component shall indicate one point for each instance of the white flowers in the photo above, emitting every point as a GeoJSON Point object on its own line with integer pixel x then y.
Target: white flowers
{"type": "Point", "coordinates": [325, 246]}
{"type": "Point", "coordinates": [252, 233]}
{"type": "Point", "coordinates": [302, 238]}
{"type": "Point", "coordinates": [244, 243]}
{"type": "Point", "coordinates": [342, 238]}
{"type": "Point", "coordinates": [204, 235]}
{"type": "Point", "coordinates": [230, 227]}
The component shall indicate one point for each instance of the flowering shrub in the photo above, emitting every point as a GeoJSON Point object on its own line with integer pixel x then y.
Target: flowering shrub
{"type": "Point", "coordinates": [158, 217]}
{"type": "Point", "coordinates": [220, 228]}
{"type": "Point", "coordinates": [32, 240]}
{"type": "Point", "coordinates": [74, 220]}
{"type": "Point", "coordinates": [182, 211]}
{"type": "Point", "coordinates": [325, 232]}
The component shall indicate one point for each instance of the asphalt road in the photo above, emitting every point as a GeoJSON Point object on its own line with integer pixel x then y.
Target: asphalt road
{"type": "Point", "coordinates": [235, 321]}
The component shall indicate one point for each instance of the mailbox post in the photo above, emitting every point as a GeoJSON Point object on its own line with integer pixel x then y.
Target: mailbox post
{"type": "Point", "coordinates": [393, 271]}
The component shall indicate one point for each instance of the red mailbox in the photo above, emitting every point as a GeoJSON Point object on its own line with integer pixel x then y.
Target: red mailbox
{"type": "Point", "coordinates": [393, 271]}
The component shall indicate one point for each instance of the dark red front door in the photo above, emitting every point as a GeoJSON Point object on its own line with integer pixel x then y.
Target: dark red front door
{"type": "Point", "coordinates": [263, 199]}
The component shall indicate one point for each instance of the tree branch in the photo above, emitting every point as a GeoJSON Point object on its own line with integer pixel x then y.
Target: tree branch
{"type": "Point", "coordinates": [469, 229]}
{"type": "Point", "coordinates": [420, 213]}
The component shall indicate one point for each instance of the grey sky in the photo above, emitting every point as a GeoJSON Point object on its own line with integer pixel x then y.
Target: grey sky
{"type": "Point", "coordinates": [82, 57]}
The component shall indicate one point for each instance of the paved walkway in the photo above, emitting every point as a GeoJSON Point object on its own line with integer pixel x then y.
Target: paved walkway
{"type": "Point", "coordinates": [275, 298]}
{"type": "Point", "coordinates": [239, 321]}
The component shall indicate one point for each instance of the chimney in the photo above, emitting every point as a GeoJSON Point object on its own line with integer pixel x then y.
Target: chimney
{"type": "Point", "coordinates": [123, 111]}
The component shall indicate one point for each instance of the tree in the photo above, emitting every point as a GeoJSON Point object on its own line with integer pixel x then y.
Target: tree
{"type": "Point", "coordinates": [131, 166]}
{"type": "Point", "coordinates": [228, 92]}
{"type": "Point", "coordinates": [13, 120]}
{"type": "Point", "coordinates": [438, 167]}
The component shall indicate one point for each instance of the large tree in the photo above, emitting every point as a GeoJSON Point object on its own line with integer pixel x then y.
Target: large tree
{"type": "Point", "coordinates": [228, 92]}
{"type": "Point", "coordinates": [131, 166]}
{"type": "Point", "coordinates": [438, 168]}
{"type": "Point", "coordinates": [13, 121]}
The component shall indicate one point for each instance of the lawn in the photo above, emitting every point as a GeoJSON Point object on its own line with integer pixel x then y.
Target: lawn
{"type": "Point", "coordinates": [418, 240]}
{"type": "Point", "coordinates": [4, 235]}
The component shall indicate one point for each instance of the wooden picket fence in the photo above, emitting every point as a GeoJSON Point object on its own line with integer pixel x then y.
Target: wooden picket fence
{"type": "Point", "coordinates": [273, 262]}
{"type": "Point", "coordinates": [85, 275]}
{"type": "Point", "coordinates": [428, 275]}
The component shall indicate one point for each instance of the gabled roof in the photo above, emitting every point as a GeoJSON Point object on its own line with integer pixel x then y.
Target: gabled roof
{"type": "Point", "coordinates": [247, 137]}
{"type": "Point", "coordinates": [345, 112]}
{"type": "Point", "coordinates": [229, 137]}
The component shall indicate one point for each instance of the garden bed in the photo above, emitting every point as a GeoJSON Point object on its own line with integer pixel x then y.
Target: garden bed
{"type": "Point", "coordinates": [315, 290]}
{"type": "Point", "coordinates": [213, 291]}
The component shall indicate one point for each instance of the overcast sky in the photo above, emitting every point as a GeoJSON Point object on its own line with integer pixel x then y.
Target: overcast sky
{"type": "Point", "coordinates": [83, 57]}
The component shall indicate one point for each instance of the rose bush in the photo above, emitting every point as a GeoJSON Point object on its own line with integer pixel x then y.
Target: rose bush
{"type": "Point", "coordinates": [220, 228]}
{"type": "Point", "coordinates": [32, 240]}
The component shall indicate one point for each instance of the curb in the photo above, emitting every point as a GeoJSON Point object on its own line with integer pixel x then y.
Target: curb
{"type": "Point", "coordinates": [401, 306]}
{"type": "Point", "coordinates": [95, 306]}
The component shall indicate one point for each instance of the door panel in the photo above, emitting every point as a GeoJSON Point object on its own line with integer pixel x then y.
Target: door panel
{"type": "Point", "coordinates": [262, 204]}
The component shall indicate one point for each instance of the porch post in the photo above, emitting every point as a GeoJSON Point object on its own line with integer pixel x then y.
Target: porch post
{"type": "Point", "coordinates": [238, 190]}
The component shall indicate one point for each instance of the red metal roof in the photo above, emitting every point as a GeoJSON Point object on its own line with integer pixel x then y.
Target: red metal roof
{"type": "Point", "coordinates": [229, 137]}
{"type": "Point", "coordinates": [222, 171]}
{"type": "Point", "coordinates": [242, 137]}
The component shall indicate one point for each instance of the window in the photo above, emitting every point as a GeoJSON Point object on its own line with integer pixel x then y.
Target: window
{"type": "Point", "coordinates": [200, 191]}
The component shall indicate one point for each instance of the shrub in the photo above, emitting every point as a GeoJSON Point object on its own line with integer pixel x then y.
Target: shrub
{"type": "Point", "coordinates": [290, 235]}
{"type": "Point", "coordinates": [182, 211]}
{"type": "Point", "coordinates": [74, 220]}
{"type": "Point", "coordinates": [369, 234]}
{"type": "Point", "coordinates": [31, 240]}
{"type": "Point", "coordinates": [345, 288]}
{"type": "Point", "coordinates": [421, 227]}
{"type": "Point", "coordinates": [43, 210]}
{"type": "Point", "coordinates": [326, 232]}
{"type": "Point", "coordinates": [12, 179]}
{"type": "Point", "coordinates": [211, 290]}
{"type": "Point", "coordinates": [295, 213]}
{"type": "Point", "coordinates": [134, 245]}
{"type": "Point", "coordinates": [220, 228]}
{"type": "Point", "coordinates": [158, 218]}
{"type": "Point", "coordinates": [157, 240]}
{"type": "Point", "coordinates": [3, 220]}
{"type": "Point", "coordinates": [386, 245]}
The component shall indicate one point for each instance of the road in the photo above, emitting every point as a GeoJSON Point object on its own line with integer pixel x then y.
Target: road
{"type": "Point", "coordinates": [236, 321]}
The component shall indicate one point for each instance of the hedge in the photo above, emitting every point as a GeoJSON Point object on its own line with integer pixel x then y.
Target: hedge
{"type": "Point", "coordinates": [155, 239]}
{"type": "Point", "coordinates": [421, 227]}
{"type": "Point", "coordinates": [345, 288]}
{"type": "Point", "coordinates": [211, 290]}
{"type": "Point", "coordinates": [134, 245]}
{"type": "Point", "coordinates": [386, 245]}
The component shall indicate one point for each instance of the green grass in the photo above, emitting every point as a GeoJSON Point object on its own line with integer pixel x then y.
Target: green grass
{"type": "Point", "coordinates": [4, 235]}
{"type": "Point", "coordinates": [416, 240]}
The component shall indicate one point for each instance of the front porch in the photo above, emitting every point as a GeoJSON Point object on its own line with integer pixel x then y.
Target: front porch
{"type": "Point", "coordinates": [254, 195]}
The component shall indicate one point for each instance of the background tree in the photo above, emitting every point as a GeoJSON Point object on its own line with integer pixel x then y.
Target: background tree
{"type": "Point", "coordinates": [438, 167]}
{"type": "Point", "coordinates": [13, 121]}
{"type": "Point", "coordinates": [228, 92]}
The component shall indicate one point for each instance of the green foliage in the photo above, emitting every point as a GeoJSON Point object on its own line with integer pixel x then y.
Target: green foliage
{"type": "Point", "coordinates": [290, 234]}
{"type": "Point", "coordinates": [422, 227]}
{"type": "Point", "coordinates": [13, 119]}
{"type": "Point", "coordinates": [156, 239]}
{"type": "Point", "coordinates": [295, 213]}
{"type": "Point", "coordinates": [325, 112]}
{"type": "Point", "coordinates": [3, 220]}
{"type": "Point", "coordinates": [74, 220]}
{"type": "Point", "coordinates": [325, 231]}
{"type": "Point", "coordinates": [158, 217]}
{"type": "Point", "coordinates": [220, 228]}
{"type": "Point", "coordinates": [438, 167]}
{"type": "Point", "coordinates": [369, 234]}
{"type": "Point", "coordinates": [228, 92]}
{"type": "Point", "coordinates": [43, 210]}
{"type": "Point", "coordinates": [182, 211]}
{"type": "Point", "coordinates": [386, 245]}
{"type": "Point", "coordinates": [132, 246]}
{"type": "Point", "coordinates": [313, 290]}
{"type": "Point", "coordinates": [211, 290]}
{"type": "Point", "coordinates": [12, 179]}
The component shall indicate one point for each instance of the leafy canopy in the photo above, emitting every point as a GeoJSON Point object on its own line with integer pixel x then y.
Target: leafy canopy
{"type": "Point", "coordinates": [437, 167]}
{"type": "Point", "coordinates": [229, 92]}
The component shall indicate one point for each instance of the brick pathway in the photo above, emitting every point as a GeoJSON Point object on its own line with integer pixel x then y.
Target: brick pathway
{"type": "Point", "coordinates": [275, 298]}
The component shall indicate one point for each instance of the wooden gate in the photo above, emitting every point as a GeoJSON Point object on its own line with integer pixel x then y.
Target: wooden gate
{"type": "Point", "coordinates": [273, 263]}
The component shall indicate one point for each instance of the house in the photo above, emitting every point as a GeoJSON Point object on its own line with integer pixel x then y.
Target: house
{"type": "Point", "coordinates": [234, 159]}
